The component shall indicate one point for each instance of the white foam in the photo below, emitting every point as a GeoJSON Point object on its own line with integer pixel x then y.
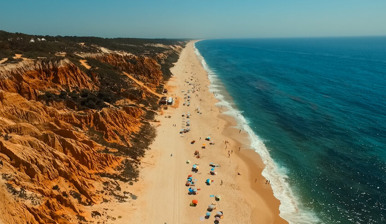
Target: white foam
{"type": "Point", "coordinates": [290, 208]}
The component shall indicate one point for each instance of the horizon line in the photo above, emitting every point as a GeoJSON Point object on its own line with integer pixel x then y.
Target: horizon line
{"type": "Point", "coordinates": [209, 38]}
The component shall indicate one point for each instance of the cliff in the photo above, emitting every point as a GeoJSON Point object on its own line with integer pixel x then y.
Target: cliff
{"type": "Point", "coordinates": [65, 128]}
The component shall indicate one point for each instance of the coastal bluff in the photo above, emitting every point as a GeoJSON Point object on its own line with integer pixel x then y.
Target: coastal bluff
{"type": "Point", "coordinates": [73, 125]}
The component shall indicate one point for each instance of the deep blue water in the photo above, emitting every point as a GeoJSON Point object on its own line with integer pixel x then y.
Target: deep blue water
{"type": "Point", "coordinates": [320, 106]}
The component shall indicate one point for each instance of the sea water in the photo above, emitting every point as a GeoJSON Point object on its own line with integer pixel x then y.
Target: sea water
{"type": "Point", "coordinates": [315, 111]}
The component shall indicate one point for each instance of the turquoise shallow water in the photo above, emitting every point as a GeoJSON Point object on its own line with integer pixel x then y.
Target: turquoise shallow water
{"type": "Point", "coordinates": [316, 109]}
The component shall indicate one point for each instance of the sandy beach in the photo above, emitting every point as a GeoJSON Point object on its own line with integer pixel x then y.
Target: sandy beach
{"type": "Point", "coordinates": [162, 194]}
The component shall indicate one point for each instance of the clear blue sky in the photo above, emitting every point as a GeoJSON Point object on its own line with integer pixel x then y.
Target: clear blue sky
{"type": "Point", "coordinates": [195, 18]}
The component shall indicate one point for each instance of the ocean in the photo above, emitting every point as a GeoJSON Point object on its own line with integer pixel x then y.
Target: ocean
{"type": "Point", "coordinates": [315, 111]}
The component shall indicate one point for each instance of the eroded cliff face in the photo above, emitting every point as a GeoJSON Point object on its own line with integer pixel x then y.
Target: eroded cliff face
{"type": "Point", "coordinates": [29, 78]}
{"type": "Point", "coordinates": [144, 69]}
{"type": "Point", "coordinates": [65, 130]}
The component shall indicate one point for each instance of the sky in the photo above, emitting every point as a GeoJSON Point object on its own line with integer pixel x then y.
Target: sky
{"type": "Point", "coordinates": [195, 18]}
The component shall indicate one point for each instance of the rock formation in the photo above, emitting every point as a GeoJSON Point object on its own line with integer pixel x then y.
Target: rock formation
{"type": "Point", "coordinates": [65, 129]}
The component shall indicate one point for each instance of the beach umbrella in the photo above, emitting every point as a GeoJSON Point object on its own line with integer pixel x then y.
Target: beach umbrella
{"type": "Point", "coordinates": [194, 201]}
{"type": "Point", "coordinates": [217, 219]}
{"type": "Point", "coordinates": [208, 214]}
{"type": "Point", "coordinates": [212, 169]}
{"type": "Point", "coordinates": [194, 166]}
{"type": "Point", "coordinates": [190, 175]}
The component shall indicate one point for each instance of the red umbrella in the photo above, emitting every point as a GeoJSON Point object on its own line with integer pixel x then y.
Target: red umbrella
{"type": "Point", "coordinates": [195, 201]}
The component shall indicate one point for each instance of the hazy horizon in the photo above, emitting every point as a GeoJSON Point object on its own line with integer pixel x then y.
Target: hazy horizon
{"type": "Point", "coordinates": [213, 19]}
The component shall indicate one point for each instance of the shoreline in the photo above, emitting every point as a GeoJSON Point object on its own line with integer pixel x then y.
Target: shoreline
{"type": "Point", "coordinates": [248, 156]}
{"type": "Point", "coordinates": [162, 195]}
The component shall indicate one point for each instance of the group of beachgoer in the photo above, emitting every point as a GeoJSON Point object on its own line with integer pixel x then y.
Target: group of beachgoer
{"type": "Point", "coordinates": [191, 181]}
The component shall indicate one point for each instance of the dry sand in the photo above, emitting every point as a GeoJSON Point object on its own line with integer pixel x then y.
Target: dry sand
{"type": "Point", "coordinates": [162, 194]}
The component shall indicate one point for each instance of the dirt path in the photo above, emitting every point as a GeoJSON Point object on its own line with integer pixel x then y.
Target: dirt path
{"type": "Point", "coordinates": [3, 60]}
{"type": "Point", "coordinates": [142, 85]}
{"type": "Point", "coordinates": [84, 63]}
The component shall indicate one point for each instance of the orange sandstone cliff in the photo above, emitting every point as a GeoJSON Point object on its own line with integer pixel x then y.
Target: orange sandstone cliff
{"type": "Point", "coordinates": [65, 129]}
